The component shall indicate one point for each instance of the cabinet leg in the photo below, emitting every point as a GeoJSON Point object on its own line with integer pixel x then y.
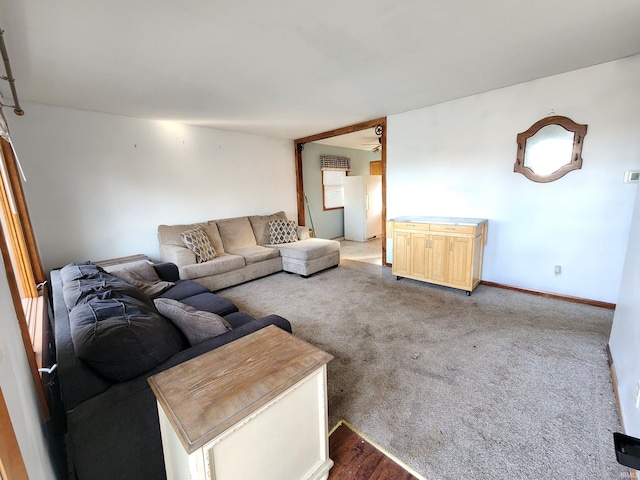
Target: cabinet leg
{"type": "Point", "coordinates": [468, 293]}
{"type": "Point", "coordinates": [397, 277]}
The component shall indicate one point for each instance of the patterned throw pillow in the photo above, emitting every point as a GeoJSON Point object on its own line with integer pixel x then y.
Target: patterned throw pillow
{"type": "Point", "coordinates": [282, 231]}
{"type": "Point", "coordinates": [198, 241]}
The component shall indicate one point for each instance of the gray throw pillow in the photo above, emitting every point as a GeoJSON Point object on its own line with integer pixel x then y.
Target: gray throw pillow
{"type": "Point", "coordinates": [144, 277]}
{"type": "Point", "coordinates": [144, 268]}
{"type": "Point", "coordinates": [196, 325]}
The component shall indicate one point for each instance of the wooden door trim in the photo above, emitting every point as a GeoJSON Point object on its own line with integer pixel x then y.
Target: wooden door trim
{"type": "Point", "coordinates": [11, 462]}
{"type": "Point", "coordinates": [299, 146]}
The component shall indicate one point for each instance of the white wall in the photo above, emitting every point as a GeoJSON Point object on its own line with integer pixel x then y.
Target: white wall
{"type": "Point", "coordinates": [625, 333]}
{"type": "Point", "coordinates": [19, 390]}
{"type": "Point", "coordinates": [98, 185]}
{"type": "Point", "coordinates": [328, 223]}
{"type": "Point", "coordinates": [456, 159]}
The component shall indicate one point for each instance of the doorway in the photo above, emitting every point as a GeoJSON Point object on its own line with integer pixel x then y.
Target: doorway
{"type": "Point", "coordinates": [380, 125]}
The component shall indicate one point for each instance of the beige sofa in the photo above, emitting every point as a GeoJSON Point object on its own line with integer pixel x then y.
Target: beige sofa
{"type": "Point", "coordinates": [243, 251]}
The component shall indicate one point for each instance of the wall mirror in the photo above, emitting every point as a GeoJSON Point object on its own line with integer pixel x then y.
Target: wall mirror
{"type": "Point", "coordinates": [550, 149]}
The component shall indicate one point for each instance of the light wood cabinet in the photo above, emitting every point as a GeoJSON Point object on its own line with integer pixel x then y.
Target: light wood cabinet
{"type": "Point", "coordinates": [445, 251]}
{"type": "Point", "coordinates": [254, 409]}
{"type": "Point", "coordinates": [401, 252]}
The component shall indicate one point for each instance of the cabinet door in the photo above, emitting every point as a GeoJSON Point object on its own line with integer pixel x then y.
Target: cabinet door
{"type": "Point", "coordinates": [478, 247]}
{"type": "Point", "coordinates": [419, 255]}
{"type": "Point", "coordinates": [401, 253]}
{"type": "Point", "coordinates": [460, 261]}
{"type": "Point", "coordinates": [438, 258]}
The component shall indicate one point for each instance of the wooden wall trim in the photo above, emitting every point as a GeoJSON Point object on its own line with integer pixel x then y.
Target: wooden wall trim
{"type": "Point", "coordinates": [299, 145]}
{"type": "Point", "coordinates": [22, 322]}
{"type": "Point", "coordinates": [383, 159]}
{"type": "Point", "coordinates": [30, 265]}
{"type": "Point", "coordinates": [633, 474]}
{"type": "Point", "coordinates": [568, 298]}
{"type": "Point", "coordinates": [343, 130]}
{"type": "Point", "coordinates": [300, 185]}
{"type": "Point", "coordinates": [614, 381]}
{"type": "Point", "coordinates": [23, 212]}
{"type": "Point", "coordinates": [11, 462]}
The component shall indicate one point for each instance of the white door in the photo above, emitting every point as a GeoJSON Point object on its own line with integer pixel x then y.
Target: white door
{"type": "Point", "coordinates": [354, 209]}
{"type": "Point", "coordinates": [373, 206]}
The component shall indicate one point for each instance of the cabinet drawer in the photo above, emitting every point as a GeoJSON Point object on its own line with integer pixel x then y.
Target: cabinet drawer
{"type": "Point", "coordinates": [410, 226]}
{"type": "Point", "coordinates": [435, 227]}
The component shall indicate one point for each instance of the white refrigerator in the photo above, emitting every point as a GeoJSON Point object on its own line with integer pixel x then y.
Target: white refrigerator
{"type": "Point", "coordinates": [362, 207]}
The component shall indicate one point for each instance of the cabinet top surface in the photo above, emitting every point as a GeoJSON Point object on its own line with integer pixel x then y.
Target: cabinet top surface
{"type": "Point", "coordinates": [474, 222]}
{"type": "Point", "coordinates": [206, 395]}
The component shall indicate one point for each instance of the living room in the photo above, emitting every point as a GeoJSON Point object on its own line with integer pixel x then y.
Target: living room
{"type": "Point", "coordinates": [98, 185]}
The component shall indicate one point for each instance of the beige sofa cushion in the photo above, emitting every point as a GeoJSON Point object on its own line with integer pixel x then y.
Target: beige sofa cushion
{"type": "Point", "coordinates": [211, 229]}
{"type": "Point", "coordinates": [170, 234]}
{"type": "Point", "coordinates": [256, 254]}
{"type": "Point", "coordinates": [236, 233]}
{"type": "Point", "coordinates": [260, 225]}
{"type": "Point", "coordinates": [309, 249]}
{"type": "Point", "coordinates": [221, 264]}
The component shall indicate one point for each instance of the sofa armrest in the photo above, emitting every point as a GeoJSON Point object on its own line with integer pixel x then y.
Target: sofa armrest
{"type": "Point", "coordinates": [303, 233]}
{"type": "Point", "coordinates": [276, 320]}
{"type": "Point", "coordinates": [167, 271]}
{"type": "Point", "coordinates": [225, 338]}
{"type": "Point", "coordinates": [181, 256]}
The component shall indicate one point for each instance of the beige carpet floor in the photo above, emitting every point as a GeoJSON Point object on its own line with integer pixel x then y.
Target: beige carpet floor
{"type": "Point", "coordinates": [498, 385]}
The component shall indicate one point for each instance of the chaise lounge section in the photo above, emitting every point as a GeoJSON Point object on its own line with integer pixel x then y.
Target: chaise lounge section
{"type": "Point", "coordinates": [309, 256]}
{"type": "Point", "coordinates": [244, 248]}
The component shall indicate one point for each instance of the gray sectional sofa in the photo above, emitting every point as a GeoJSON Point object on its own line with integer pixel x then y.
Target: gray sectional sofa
{"type": "Point", "coordinates": [110, 337]}
{"type": "Point", "coordinates": [245, 250]}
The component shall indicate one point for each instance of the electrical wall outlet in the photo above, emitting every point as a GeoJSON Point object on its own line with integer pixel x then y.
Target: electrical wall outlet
{"type": "Point", "coordinates": [558, 270]}
{"type": "Point", "coordinates": [638, 395]}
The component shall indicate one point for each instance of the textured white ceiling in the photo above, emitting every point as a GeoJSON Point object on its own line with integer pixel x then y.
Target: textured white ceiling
{"type": "Point", "coordinates": [292, 68]}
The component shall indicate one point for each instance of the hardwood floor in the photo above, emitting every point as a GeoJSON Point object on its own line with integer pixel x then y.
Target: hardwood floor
{"type": "Point", "coordinates": [355, 458]}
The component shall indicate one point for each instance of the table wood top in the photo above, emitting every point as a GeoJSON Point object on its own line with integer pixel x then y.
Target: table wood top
{"type": "Point", "coordinates": [471, 222]}
{"type": "Point", "coordinates": [206, 395]}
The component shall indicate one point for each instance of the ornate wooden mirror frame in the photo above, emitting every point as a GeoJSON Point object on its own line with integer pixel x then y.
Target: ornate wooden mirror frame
{"type": "Point", "coordinates": [544, 131]}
